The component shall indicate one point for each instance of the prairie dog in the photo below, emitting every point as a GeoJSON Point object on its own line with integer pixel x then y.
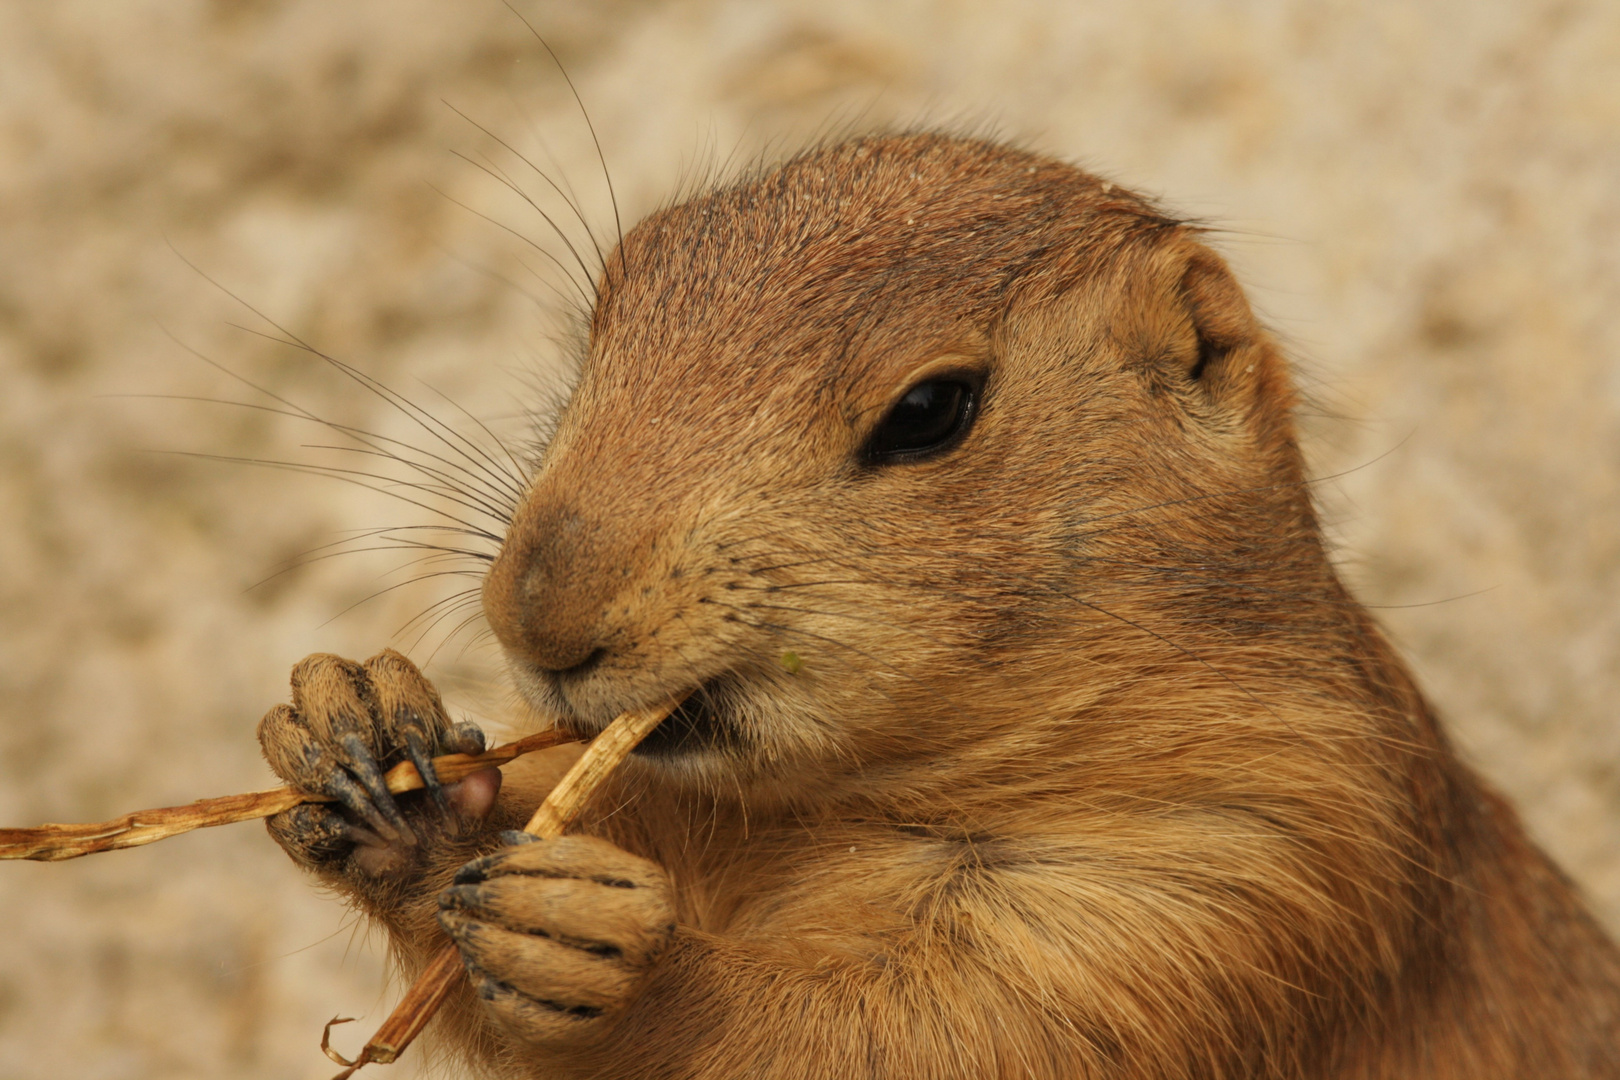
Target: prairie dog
{"type": "Point", "coordinates": [1031, 732]}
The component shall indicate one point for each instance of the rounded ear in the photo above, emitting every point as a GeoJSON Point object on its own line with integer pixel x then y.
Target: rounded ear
{"type": "Point", "coordinates": [1239, 365]}
{"type": "Point", "coordinates": [1219, 312]}
{"type": "Point", "coordinates": [1234, 362]}
{"type": "Point", "coordinates": [1185, 325]}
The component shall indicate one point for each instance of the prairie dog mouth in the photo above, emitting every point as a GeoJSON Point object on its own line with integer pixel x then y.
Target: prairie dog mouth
{"type": "Point", "coordinates": [705, 721]}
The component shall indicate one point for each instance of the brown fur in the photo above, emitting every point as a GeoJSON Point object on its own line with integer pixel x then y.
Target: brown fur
{"type": "Point", "coordinates": [1092, 768]}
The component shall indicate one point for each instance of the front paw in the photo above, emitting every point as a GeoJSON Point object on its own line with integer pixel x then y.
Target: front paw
{"type": "Point", "coordinates": [559, 935]}
{"type": "Point", "coordinates": [346, 725]}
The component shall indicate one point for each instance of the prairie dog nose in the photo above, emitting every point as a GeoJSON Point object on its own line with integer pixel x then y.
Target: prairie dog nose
{"type": "Point", "coordinates": [550, 588]}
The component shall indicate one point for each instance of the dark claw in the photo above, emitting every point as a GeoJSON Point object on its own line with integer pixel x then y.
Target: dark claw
{"type": "Point", "coordinates": [341, 786]}
{"type": "Point", "coordinates": [514, 837]}
{"type": "Point", "coordinates": [365, 769]}
{"type": "Point", "coordinates": [423, 761]}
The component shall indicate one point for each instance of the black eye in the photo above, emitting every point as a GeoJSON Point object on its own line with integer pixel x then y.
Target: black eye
{"type": "Point", "coordinates": [931, 417]}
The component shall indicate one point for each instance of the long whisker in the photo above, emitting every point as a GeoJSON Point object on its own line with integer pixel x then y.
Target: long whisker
{"type": "Point", "coordinates": [451, 636]}
{"type": "Point", "coordinates": [390, 588]}
{"type": "Point", "coordinates": [534, 133]}
{"type": "Point", "coordinates": [372, 385]}
{"type": "Point", "coordinates": [335, 548]}
{"type": "Point", "coordinates": [430, 617]}
{"type": "Point", "coordinates": [338, 474]}
{"type": "Point", "coordinates": [447, 613]}
{"type": "Point", "coordinates": [410, 410]}
{"type": "Point", "coordinates": [357, 535]}
{"type": "Point", "coordinates": [298, 412]}
{"type": "Point", "coordinates": [494, 172]}
{"type": "Point", "coordinates": [613, 197]}
{"type": "Point", "coordinates": [479, 499]}
{"type": "Point", "coordinates": [585, 298]}
{"type": "Point", "coordinates": [519, 476]}
{"type": "Point", "coordinates": [558, 297]}
{"type": "Point", "coordinates": [454, 602]}
{"type": "Point", "coordinates": [366, 438]}
{"type": "Point", "coordinates": [447, 436]}
{"type": "Point", "coordinates": [449, 493]}
{"type": "Point", "coordinates": [538, 172]}
{"type": "Point", "coordinates": [444, 555]}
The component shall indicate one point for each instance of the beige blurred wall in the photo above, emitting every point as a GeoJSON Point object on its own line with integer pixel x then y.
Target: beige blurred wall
{"type": "Point", "coordinates": [1424, 198]}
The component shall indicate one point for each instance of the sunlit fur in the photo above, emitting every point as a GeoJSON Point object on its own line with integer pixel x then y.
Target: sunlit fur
{"type": "Point", "coordinates": [1090, 767]}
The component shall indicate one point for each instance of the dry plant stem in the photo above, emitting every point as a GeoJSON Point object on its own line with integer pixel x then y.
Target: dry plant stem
{"type": "Point", "coordinates": [564, 803]}
{"type": "Point", "coordinates": [51, 842]}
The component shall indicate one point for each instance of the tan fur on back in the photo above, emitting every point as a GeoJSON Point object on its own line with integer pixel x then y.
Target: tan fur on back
{"type": "Point", "coordinates": [1090, 766]}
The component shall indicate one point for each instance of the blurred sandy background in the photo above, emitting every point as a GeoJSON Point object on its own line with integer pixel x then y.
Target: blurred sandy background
{"type": "Point", "coordinates": [1423, 197]}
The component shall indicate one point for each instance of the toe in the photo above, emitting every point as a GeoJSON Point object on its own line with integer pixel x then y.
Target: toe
{"type": "Point", "coordinates": [422, 757]}
{"type": "Point", "coordinates": [465, 738]}
{"type": "Point", "coordinates": [541, 968]}
{"type": "Point", "coordinates": [312, 833]}
{"type": "Point", "coordinates": [363, 767]}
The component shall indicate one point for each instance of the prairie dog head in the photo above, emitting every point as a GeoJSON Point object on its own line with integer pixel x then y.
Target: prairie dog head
{"type": "Point", "coordinates": [908, 442]}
